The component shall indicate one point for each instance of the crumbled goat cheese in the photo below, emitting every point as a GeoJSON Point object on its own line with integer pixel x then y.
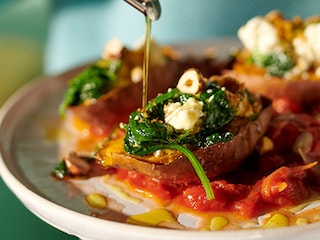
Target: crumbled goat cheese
{"type": "Point", "coordinates": [312, 33]}
{"type": "Point", "coordinates": [259, 35]}
{"type": "Point", "coordinates": [184, 116]}
{"type": "Point", "coordinates": [307, 50]}
{"type": "Point", "coordinates": [112, 49]}
{"type": "Point", "coordinates": [136, 74]}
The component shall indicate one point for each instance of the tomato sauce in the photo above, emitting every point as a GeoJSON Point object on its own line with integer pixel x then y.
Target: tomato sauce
{"type": "Point", "coordinates": [283, 188]}
{"type": "Point", "coordinates": [151, 187]}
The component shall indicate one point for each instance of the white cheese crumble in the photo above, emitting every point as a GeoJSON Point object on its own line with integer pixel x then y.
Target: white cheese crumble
{"type": "Point", "coordinates": [136, 74]}
{"type": "Point", "coordinates": [184, 116]}
{"type": "Point", "coordinates": [259, 35]}
{"type": "Point", "coordinates": [312, 33]}
{"type": "Point", "coordinates": [112, 49]}
{"type": "Point", "coordinates": [307, 50]}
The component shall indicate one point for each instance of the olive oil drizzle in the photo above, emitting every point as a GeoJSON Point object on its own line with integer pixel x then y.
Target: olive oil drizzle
{"type": "Point", "coordinates": [146, 62]}
{"type": "Point", "coordinates": [145, 83]}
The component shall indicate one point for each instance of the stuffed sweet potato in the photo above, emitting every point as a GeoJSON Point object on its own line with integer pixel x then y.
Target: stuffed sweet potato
{"type": "Point", "coordinates": [280, 57]}
{"type": "Point", "coordinates": [215, 119]}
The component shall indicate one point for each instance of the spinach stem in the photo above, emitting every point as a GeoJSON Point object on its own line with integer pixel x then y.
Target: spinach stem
{"type": "Point", "coordinates": [195, 164]}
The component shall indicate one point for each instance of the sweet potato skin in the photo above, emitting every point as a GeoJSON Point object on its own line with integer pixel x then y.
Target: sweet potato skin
{"type": "Point", "coordinates": [215, 159]}
{"type": "Point", "coordinates": [303, 91]}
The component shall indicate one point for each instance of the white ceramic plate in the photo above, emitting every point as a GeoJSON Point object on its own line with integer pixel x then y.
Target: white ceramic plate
{"type": "Point", "coordinates": [28, 158]}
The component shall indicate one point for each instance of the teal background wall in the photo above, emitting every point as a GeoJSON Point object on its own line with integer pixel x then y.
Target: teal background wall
{"type": "Point", "coordinates": [23, 31]}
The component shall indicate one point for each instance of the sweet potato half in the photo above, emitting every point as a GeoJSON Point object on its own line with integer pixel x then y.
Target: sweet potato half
{"type": "Point", "coordinates": [304, 91]}
{"type": "Point", "coordinates": [175, 168]}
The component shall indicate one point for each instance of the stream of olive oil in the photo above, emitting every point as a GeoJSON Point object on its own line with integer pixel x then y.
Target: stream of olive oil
{"type": "Point", "coordinates": [146, 61]}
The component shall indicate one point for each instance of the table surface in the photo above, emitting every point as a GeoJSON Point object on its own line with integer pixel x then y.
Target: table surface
{"type": "Point", "coordinates": [17, 222]}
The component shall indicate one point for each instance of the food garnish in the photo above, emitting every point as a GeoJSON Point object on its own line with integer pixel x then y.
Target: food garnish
{"type": "Point", "coordinates": [280, 47]}
{"type": "Point", "coordinates": [91, 83]}
{"type": "Point", "coordinates": [178, 117]}
{"type": "Point", "coordinates": [280, 58]}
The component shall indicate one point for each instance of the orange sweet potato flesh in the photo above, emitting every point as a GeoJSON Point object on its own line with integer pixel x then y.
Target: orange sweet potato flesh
{"type": "Point", "coordinates": [175, 168]}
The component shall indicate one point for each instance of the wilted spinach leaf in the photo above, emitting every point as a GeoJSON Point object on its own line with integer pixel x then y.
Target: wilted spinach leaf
{"type": "Point", "coordinates": [91, 83]}
{"type": "Point", "coordinates": [276, 63]}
